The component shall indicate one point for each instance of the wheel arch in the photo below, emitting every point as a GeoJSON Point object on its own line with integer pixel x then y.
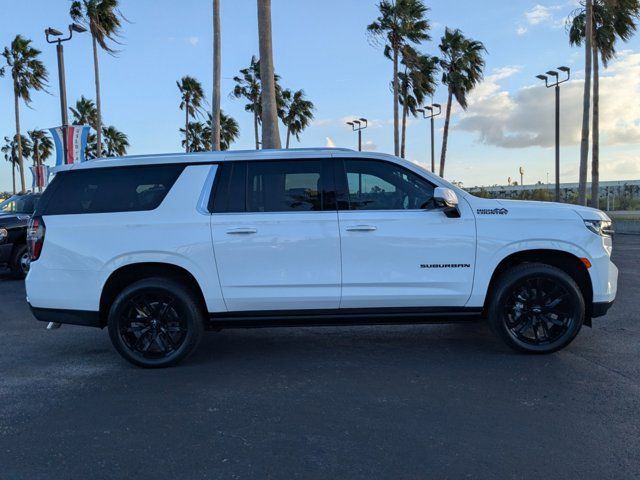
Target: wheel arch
{"type": "Point", "coordinates": [133, 272]}
{"type": "Point", "coordinates": [565, 261]}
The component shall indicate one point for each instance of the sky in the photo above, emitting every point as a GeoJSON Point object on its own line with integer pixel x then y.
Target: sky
{"type": "Point", "coordinates": [322, 47]}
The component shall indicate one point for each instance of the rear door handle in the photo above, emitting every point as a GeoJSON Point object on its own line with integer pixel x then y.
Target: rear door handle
{"type": "Point", "coordinates": [361, 228]}
{"type": "Point", "coordinates": [241, 231]}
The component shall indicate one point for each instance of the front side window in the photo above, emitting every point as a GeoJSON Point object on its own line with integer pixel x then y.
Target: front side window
{"type": "Point", "coordinates": [285, 186]}
{"type": "Point", "coordinates": [19, 204]}
{"type": "Point", "coordinates": [102, 190]}
{"type": "Point", "coordinates": [379, 185]}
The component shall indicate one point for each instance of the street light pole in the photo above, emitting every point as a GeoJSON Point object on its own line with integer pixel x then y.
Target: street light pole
{"type": "Point", "coordinates": [358, 126]}
{"type": "Point", "coordinates": [57, 39]}
{"type": "Point", "coordinates": [556, 85]}
{"type": "Point", "coordinates": [430, 116]}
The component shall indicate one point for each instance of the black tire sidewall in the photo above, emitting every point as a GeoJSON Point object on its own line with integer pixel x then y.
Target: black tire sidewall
{"type": "Point", "coordinates": [16, 265]}
{"type": "Point", "coordinates": [187, 303]}
{"type": "Point", "coordinates": [503, 287]}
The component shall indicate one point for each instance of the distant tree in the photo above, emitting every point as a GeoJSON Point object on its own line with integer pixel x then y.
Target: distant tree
{"type": "Point", "coordinates": [611, 21]}
{"type": "Point", "coordinates": [199, 134]}
{"type": "Point", "coordinates": [191, 101]}
{"type": "Point", "coordinates": [85, 113]}
{"type": "Point", "coordinates": [115, 142]}
{"type": "Point", "coordinates": [401, 23]}
{"type": "Point", "coordinates": [229, 129]}
{"type": "Point", "coordinates": [462, 66]}
{"type": "Point", "coordinates": [10, 150]}
{"type": "Point", "coordinates": [104, 20]}
{"type": "Point", "coordinates": [28, 73]}
{"type": "Point", "coordinates": [297, 113]}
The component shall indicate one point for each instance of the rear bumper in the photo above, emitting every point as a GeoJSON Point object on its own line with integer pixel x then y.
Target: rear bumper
{"type": "Point", "coordinates": [71, 317]}
{"type": "Point", "coordinates": [600, 309]}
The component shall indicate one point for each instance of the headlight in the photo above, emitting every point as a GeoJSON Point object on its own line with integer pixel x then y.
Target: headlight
{"type": "Point", "coordinates": [3, 234]}
{"type": "Point", "coordinates": [599, 227]}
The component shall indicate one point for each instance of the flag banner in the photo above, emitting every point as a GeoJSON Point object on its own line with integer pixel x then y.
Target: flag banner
{"type": "Point", "coordinates": [76, 143]}
{"type": "Point", "coordinates": [40, 176]}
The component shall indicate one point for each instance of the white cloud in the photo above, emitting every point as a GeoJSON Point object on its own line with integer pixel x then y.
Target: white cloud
{"type": "Point", "coordinates": [193, 40]}
{"type": "Point", "coordinates": [369, 146]}
{"type": "Point", "coordinates": [521, 30]}
{"type": "Point", "coordinates": [540, 14]}
{"type": "Point", "coordinates": [525, 118]}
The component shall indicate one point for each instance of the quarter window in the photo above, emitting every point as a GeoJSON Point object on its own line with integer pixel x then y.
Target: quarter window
{"type": "Point", "coordinates": [378, 185]}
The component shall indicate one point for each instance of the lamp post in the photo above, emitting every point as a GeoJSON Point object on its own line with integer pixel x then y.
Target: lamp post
{"type": "Point", "coordinates": [432, 113]}
{"type": "Point", "coordinates": [556, 84]}
{"type": "Point", "coordinates": [358, 126]}
{"type": "Point", "coordinates": [57, 38]}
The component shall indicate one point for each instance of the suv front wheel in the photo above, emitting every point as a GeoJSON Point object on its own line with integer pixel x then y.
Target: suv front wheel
{"type": "Point", "coordinates": [536, 308]}
{"type": "Point", "coordinates": [155, 322]}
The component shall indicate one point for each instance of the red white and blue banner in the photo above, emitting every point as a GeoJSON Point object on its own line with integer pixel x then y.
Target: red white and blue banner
{"type": "Point", "coordinates": [76, 143]}
{"type": "Point", "coordinates": [40, 176]}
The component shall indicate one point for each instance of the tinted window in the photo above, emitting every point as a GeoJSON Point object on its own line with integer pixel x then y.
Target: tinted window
{"type": "Point", "coordinates": [229, 188]}
{"type": "Point", "coordinates": [102, 190]}
{"type": "Point", "coordinates": [378, 185]}
{"type": "Point", "coordinates": [283, 186]}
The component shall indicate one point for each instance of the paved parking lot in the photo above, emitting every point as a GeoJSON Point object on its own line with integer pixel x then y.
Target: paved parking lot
{"type": "Point", "coordinates": [435, 401]}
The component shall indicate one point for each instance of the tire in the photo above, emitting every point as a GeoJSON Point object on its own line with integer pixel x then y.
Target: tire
{"type": "Point", "coordinates": [20, 261]}
{"type": "Point", "coordinates": [536, 308]}
{"type": "Point", "coordinates": [156, 322]}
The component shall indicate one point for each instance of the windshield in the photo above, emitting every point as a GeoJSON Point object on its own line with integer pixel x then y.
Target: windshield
{"type": "Point", "coordinates": [19, 204]}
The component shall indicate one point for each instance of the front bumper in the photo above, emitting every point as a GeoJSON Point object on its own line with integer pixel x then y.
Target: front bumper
{"type": "Point", "coordinates": [599, 309]}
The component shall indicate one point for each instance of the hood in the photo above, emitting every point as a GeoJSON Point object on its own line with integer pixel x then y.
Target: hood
{"type": "Point", "coordinates": [586, 213]}
{"type": "Point", "coordinates": [11, 217]}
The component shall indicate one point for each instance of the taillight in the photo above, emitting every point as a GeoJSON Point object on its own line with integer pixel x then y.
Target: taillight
{"type": "Point", "coordinates": [35, 237]}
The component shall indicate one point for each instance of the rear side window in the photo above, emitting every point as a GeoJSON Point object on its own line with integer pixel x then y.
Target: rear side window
{"type": "Point", "coordinates": [103, 190]}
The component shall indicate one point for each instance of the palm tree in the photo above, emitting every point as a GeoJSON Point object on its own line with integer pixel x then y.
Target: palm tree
{"type": "Point", "coordinates": [462, 69]}
{"type": "Point", "coordinates": [10, 151]}
{"type": "Point", "coordinates": [197, 138]}
{"type": "Point", "coordinates": [417, 81]}
{"type": "Point", "coordinates": [401, 23]}
{"type": "Point", "coordinates": [191, 101]}
{"type": "Point", "coordinates": [215, 99]}
{"type": "Point", "coordinates": [42, 147]}
{"type": "Point", "coordinates": [610, 21]}
{"type": "Point", "coordinates": [297, 113]}
{"type": "Point", "coordinates": [270, 131]}
{"type": "Point", "coordinates": [28, 73]}
{"type": "Point", "coordinates": [85, 112]}
{"type": "Point", "coordinates": [115, 142]}
{"type": "Point", "coordinates": [248, 86]}
{"type": "Point", "coordinates": [103, 19]}
{"type": "Point", "coordinates": [229, 130]}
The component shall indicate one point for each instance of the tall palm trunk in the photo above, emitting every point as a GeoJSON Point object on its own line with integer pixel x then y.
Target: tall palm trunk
{"type": "Point", "coordinates": [288, 136]}
{"type": "Point", "coordinates": [215, 100]}
{"type": "Point", "coordinates": [255, 127]}
{"type": "Point", "coordinates": [396, 143]}
{"type": "Point", "coordinates": [586, 104]}
{"type": "Point", "coordinates": [445, 135]}
{"type": "Point", "coordinates": [270, 130]}
{"type": "Point", "coordinates": [13, 175]}
{"type": "Point", "coordinates": [186, 126]}
{"type": "Point", "coordinates": [36, 159]}
{"type": "Point", "coordinates": [19, 141]}
{"type": "Point", "coordinates": [595, 146]}
{"type": "Point", "coordinates": [96, 73]}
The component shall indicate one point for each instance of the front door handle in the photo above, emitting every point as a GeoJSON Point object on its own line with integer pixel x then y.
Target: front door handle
{"type": "Point", "coordinates": [241, 231]}
{"type": "Point", "coordinates": [361, 228]}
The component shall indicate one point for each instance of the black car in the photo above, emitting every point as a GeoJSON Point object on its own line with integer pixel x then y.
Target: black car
{"type": "Point", "coordinates": [15, 213]}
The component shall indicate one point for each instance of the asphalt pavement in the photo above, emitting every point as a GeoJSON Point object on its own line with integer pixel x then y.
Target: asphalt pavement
{"type": "Point", "coordinates": [396, 402]}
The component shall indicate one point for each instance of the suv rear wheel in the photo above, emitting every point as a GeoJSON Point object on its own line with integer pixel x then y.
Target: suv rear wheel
{"type": "Point", "coordinates": [155, 322]}
{"type": "Point", "coordinates": [536, 308]}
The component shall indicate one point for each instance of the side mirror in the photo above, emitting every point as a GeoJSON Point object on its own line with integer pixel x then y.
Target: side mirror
{"type": "Point", "coordinates": [446, 199]}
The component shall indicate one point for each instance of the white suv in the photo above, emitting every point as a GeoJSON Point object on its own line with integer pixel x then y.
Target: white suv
{"type": "Point", "coordinates": [159, 248]}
